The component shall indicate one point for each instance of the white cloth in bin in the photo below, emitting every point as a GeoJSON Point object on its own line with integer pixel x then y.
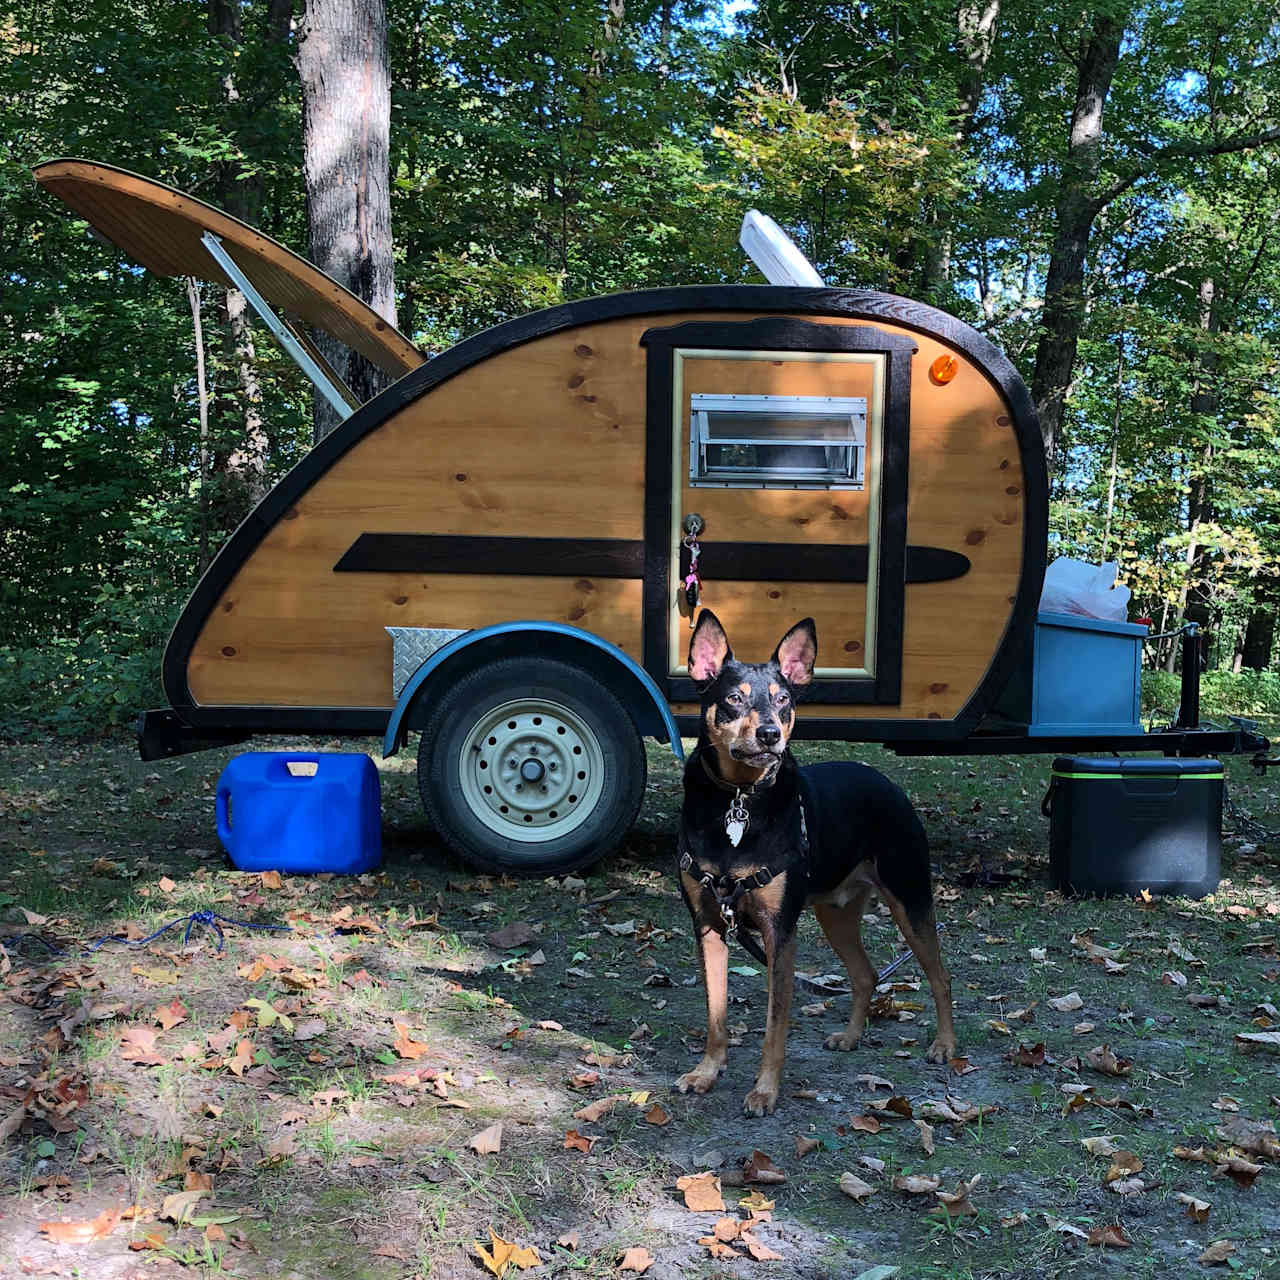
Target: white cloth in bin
{"type": "Point", "coordinates": [1071, 586]}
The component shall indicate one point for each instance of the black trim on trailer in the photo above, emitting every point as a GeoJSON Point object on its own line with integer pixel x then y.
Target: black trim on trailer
{"type": "Point", "coordinates": [815, 562]}
{"type": "Point", "coordinates": [523, 557]}
{"type": "Point", "coordinates": [622, 558]}
{"type": "Point", "coordinates": [780, 333]}
{"type": "Point", "coordinates": [859, 304]}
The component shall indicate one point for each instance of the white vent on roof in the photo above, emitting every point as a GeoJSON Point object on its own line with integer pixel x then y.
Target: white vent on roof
{"type": "Point", "coordinates": [775, 253]}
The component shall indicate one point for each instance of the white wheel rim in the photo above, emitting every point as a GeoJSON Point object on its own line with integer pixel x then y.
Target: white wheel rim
{"type": "Point", "coordinates": [531, 770]}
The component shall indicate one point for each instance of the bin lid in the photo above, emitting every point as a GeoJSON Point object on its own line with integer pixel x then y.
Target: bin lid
{"type": "Point", "coordinates": [161, 228]}
{"type": "Point", "coordinates": [1109, 767]}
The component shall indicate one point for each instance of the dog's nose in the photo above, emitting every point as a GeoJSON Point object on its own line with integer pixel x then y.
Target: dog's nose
{"type": "Point", "coordinates": [768, 735]}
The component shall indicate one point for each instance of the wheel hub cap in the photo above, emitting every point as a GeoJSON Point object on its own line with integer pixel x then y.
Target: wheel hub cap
{"type": "Point", "coordinates": [531, 770]}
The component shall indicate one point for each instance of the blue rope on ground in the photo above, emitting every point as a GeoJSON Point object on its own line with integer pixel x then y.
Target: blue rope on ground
{"type": "Point", "coordinates": [210, 919]}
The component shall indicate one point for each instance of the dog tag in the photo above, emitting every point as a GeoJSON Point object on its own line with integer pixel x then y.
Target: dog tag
{"type": "Point", "coordinates": [736, 819]}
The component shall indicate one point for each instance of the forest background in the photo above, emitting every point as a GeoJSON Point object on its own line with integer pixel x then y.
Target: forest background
{"type": "Point", "coordinates": [1096, 188]}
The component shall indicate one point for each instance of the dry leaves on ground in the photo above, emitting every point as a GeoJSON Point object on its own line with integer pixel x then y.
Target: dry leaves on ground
{"type": "Point", "coordinates": [503, 1254]}
{"type": "Point", "coordinates": [488, 1142]}
{"type": "Point", "coordinates": [701, 1192]}
{"type": "Point", "coordinates": [84, 1231]}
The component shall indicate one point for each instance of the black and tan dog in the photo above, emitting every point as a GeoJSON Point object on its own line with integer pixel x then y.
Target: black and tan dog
{"type": "Point", "coordinates": [761, 839]}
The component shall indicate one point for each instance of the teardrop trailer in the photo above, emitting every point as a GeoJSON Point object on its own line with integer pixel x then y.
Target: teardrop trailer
{"type": "Point", "coordinates": [504, 549]}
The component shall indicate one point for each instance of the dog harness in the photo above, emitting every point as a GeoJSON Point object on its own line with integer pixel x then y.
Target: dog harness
{"type": "Point", "coordinates": [727, 890]}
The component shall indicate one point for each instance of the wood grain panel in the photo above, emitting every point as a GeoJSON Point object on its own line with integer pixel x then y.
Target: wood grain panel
{"type": "Point", "coordinates": [322, 648]}
{"type": "Point", "coordinates": [547, 440]}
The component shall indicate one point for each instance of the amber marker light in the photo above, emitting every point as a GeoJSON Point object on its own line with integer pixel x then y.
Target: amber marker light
{"type": "Point", "coordinates": [943, 369]}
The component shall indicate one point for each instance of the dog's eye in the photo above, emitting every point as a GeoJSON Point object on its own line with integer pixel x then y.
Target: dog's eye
{"type": "Point", "coordinates": [783, 698]}
{"type": "Point", "coordinates": [735, 697]}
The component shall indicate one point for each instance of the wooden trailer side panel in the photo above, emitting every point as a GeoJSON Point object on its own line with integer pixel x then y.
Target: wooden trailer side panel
{"type": "Point", "coordinates": [547, 440]}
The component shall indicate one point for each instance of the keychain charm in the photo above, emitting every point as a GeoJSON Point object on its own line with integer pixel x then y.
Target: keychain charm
{"type": "Point", "coordinates": [692, 585]}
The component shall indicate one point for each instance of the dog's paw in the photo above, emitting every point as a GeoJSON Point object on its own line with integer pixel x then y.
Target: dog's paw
{"type": "Point", "coordinates": [700, 1079]}
{"type": "Point", "coordinates": [941, 1051]}
{"type": "Point", "coordinates": [760, 1102]}
{"type": "Point", "coordinates": [843, 1042]}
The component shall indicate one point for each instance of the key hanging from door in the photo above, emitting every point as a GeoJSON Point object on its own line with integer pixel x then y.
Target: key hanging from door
{"type": "Point", "coordinates": [691, 526]}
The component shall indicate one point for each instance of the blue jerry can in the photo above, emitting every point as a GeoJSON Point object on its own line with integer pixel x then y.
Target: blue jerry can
{"type": "Point", "coordinates": [295, 812]}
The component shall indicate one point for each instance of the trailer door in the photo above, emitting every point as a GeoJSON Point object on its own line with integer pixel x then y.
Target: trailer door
{"type": "Point", "coordinates": [785, 444]}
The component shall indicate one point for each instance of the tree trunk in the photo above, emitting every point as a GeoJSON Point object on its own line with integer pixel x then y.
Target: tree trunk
{"type": "Point", "coordinates": [245, 453]}
{"type": "Point", "coordinates": [1078, 204]}
{"type": "Point", "coordinates": [1259, 637]}
{"type": "Point", "coordinates": [346, 127]}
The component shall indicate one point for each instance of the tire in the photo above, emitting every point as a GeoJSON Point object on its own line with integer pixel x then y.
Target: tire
{"type": "Point", "coordinates": [531, 767]}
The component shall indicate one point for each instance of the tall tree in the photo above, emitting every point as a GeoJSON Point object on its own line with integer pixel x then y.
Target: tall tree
{"type": "Point", "coordinates": [346, 127]}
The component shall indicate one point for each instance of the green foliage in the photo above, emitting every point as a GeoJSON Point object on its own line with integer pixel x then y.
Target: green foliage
{"type": "Point", "coordinates": [1222, 693]}
{"type": "Point", "coordinates": [544, 151]}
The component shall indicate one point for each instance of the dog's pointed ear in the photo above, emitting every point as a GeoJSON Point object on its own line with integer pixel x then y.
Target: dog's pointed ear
{"type": "Point", "coordinates": [708, 650]}
{"type": "Point", "coordinates": [797, 652]}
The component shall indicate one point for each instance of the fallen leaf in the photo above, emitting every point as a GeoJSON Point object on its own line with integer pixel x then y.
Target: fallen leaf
{"type": "Point", "coordinates": [926, 1136]}
{"type": "Point", "coordinates": [758, 1249]}
{"type": "Point", "coordinates": [1197, 1210]}
{"type": "Point", "coordinates": [34, 917]}
{"type": "Point", "coordinates": [1110, 1237]}
{"type": "Point", "coordinates": [759, 1168]}
{"type": "Point", "coordinates": [1224, 1102]}
{"type": "Point", "coordinates": [1101, 1146]}
{"type": "Point", "coordinates": [488, 1141]}
{"type": "Point", "coordinates": [1238, 1169]}
{"type": "Point", "coordinates": [756, 1203]}
{"type": "Point", "coordinates": [84, 1231]}
{"type": "Point", "coordinates": [1247, 1041]}
{"type": "Point", "coordinates": [1123, 1165]}
{"type": "Point", "coordinates": [309, 1028]}
{"type": "Point", "coordinates": [656, 1115]}
{"type": "Point", "coordinates": [505, 1253]}
{"type": "Point", "coordinates": [177, 1207]}
{"type": "Point", "coordinates": [1068, 1003]}
{"type": "Point", "coordinates": [916, 1184]}
{"type": "Point", "coordinates": [1024, 1057]}
{"type": "Point", "coordinates": [138, 1044]}
{"type": "Point", "coordinates": [171, 1014]}
{"type": "Point", "coordinates": [1019, 1219]}
{"type": "Point", "coordinates": [635, 1259]}
{"type": "Point", "coordinates": [243, 1058]}
{"type": "Point", "coordinates": [956, 1204]}
{"type": "Point", "coordinates": [873, 1082]}
{"type": "Point", "coordinates": [1101, 1058]}
{"type": "Point", "coordinates": [271, 880]}
{"type": "Point", "coordinates": [569, 1240]}
{"type": "Point", "coordinates": [405, 1045]}
{"type": "Point", "coordinates": [593, 1111]}
{"type": "Point", "coordinates": [573, 1140]}
{"type": "Point", "coordinates": [854, 1187]}
{"type": "Point", "coordinates": [167, 885]}
{"type": "Point", "coordinates": [701, 1192]}
{"type": "Point", "coordinates": [1218, 1251]}
{"type": "Point", "coordinates": [1127, 1186]}
{"type": "Point", "coordinates": [805, 1145]}
{"type": "Point", "coordinates": [515, 934]}
{"type": "Point", "coordinates": [864, 1124]}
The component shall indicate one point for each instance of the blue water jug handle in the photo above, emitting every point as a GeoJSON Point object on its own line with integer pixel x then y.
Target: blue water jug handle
{"type": "Point", "coordinates": [224, 826]}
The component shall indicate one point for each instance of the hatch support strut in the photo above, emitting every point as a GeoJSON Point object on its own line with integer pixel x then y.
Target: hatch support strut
{"type": "Point", "coordinates": [333, 390]}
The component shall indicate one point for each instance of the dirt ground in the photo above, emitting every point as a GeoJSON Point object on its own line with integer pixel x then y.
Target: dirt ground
{"type": "Point", "coordinates": [308, 1103]}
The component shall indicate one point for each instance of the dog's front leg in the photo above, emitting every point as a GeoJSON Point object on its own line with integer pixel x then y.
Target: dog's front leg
{"type": "Point", "coordinates": [713, 951]}
{"type": "Point", "coordinates": [781, 954]}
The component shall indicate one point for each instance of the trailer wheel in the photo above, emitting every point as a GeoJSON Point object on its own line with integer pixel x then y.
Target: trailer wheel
{"type": "Point", "coordinates": [531, 767]}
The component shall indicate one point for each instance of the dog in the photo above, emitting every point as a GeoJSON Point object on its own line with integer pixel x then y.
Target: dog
{"type": "Point", "coordinates": [761, 839]}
